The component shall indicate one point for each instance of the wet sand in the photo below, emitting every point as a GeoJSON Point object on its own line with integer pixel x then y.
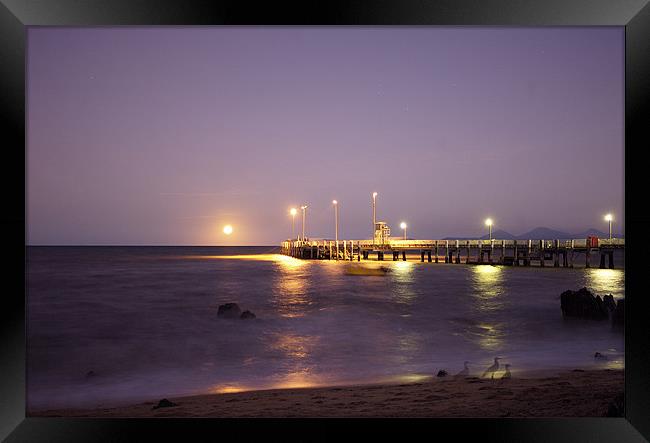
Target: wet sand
{"type": "Point", "coordinates": [576, 393]}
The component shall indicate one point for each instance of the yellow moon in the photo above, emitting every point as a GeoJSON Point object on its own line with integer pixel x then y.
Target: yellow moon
{"type": "Point", "coordinates": [227, 229]}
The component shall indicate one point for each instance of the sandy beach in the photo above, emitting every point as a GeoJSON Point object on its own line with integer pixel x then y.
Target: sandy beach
{"type": "Point", "coordinates": [575, 393]}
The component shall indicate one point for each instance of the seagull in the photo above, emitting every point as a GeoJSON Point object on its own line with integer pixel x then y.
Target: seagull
{"type": "Point", "coordinates": [492, 369]}
{"type": "Point", "coordinates": [464, 372]}
{"type": "Point", "coordinates": [507, 374]}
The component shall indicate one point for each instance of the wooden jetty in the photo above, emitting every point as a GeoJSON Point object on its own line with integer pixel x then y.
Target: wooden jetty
{"type": "Point", "coordinates": [555, 253]}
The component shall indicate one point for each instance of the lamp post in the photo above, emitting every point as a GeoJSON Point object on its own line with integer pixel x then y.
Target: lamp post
{"type": "Point", "coordinates": [403, 226]}
{"type": "Point", "coordinates": [374, 218]}
{"type": "Point", "coordinates": [609, 218]}
{"type": "Point", "coordinates": [293, 212]}
{"type": "Point", "coordinates": [488, 223]}
{"type": "Point", "coordinates": [336, 220]}
{"type": "Point", "coordinates": [303, 221]}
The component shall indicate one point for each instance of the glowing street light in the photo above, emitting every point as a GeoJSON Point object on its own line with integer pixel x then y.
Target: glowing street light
{"type": "Point", "coordinates": [293, 212]}
{"type": "Point", "coordinates": [403, 226]}
{"type": "Point", "coordinates": [609, 218]}
{"type": "Point", "coordinates": [303, 221]}
{"type": "Point", "coordinates": [336, 219]}
{"type": "Point", "coordinates": [374, 209]}
{"type": "Point", "coordinates": [488, 223]}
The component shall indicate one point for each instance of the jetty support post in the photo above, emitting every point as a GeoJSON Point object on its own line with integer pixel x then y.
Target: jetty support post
{"type": "Point", "coordinates": [491, 251]}
{"type": "Point", "coordinates": [515, 261]}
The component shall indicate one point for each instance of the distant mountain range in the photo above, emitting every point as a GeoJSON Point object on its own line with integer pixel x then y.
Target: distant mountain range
{"type": "Point", "coordinates": [539, 233]}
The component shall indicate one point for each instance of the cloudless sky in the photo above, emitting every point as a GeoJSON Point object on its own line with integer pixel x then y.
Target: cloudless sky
{"type": "Point", "coordinates": [164, 135]}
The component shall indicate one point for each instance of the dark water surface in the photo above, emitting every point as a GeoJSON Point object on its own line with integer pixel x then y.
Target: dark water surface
{"type": "Point", "coordinates": [144, 320]}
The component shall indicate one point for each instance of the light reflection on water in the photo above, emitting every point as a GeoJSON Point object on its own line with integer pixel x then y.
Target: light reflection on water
{"type": "Point", "coordinates": [296, 347]}
{"type": "Point", "coordinates": [290, 286]}
{"type": "Point", "coordinates": [606, 281]}
{"type": "Point", "coordinates": [227, 388]}
{"type": "Point", "coordinates": [488, 290]}
{"type": "Point", "coordinates": [402, 273]}
{"type": "Point", "coordinates": [487, 283]}
{"type": "Point", "coordinates": [297, 351]}
{"type": "Point", "coordinates": [491, 337]}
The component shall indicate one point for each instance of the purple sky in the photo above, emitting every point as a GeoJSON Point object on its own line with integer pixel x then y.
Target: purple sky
{"type": "Point", "coordinates": [164, 135]}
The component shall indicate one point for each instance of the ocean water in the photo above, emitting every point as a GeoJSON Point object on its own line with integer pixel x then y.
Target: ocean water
{"type": "Point", "coordinates": [144, 321]}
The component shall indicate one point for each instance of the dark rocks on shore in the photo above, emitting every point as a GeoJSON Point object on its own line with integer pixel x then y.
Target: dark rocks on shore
{"type": "Point", "coordinates": [608, 301]}
{"type": "Point", "coordinates": [583, 304]}
{"type": "Point", "coordinates": [232, 310]}
{"type": "Point", "coordinates": [247, 315]}
{"type": "Point", "coordinates": [442, 373]}
{"type": "Point", "coordinates": [619, 312]}
{"type": "Point", "coordinates": [229, 310]}
{"type": "Point", "coordinates": [616, 408]}
{"type": "Point", "coordinates": [164, 403]}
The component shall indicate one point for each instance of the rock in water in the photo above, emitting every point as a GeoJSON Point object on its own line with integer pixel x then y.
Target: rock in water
{"type": "Point", "coordinates": [609, 302]}
{"type": "Point", "coordinates": [583, 304]}
{"type": "Point", "coordinates": [599, 356]}
{"type": "Point", "coordinates": [441, 373]}
{"type": "Point", "coordinates": [164, 403]}
{"type": "Point", "coordinates": [229, 310]}
{"type": "Point", "coordinates": [246, 315]}
{"type": "Point", "coordinates": [618, 315]}
{"type": "Point", "coordinates": [617, 407]}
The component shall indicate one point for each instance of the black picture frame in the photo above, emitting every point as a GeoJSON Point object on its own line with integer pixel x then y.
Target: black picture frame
{"type": "Point", "coordinates": [17, 15]}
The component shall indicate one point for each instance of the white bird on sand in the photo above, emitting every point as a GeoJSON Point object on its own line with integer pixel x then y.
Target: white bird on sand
{"type": "Point", "coordinates": [507, 373]}
{"type": "Point", "coordinates": [492, 369]}
{"type": "Point", "coordinates": [464, 372]}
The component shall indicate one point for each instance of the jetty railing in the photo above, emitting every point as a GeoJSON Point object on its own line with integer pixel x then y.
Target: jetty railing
{"type": "Point", "coordinates": [470, 251]}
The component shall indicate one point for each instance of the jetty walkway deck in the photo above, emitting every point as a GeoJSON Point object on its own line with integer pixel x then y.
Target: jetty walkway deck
{"type": "Point", "coordinates": [505, 252]}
